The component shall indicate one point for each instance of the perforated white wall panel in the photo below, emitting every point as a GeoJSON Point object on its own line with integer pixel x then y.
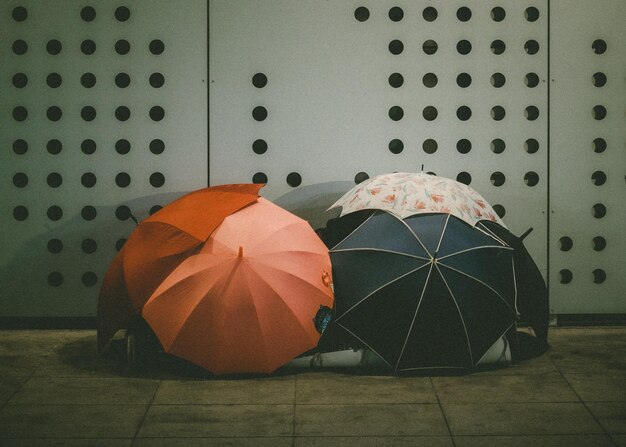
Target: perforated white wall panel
{"type": "Point", "coordinates": [379, 86]}
{"type": "Point", "coordinates": [588, 156]}
{"type": "Point", "coordinates": [103, 106]}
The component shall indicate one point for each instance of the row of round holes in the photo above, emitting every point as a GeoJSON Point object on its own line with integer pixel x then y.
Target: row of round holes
{"type": "Point", "coordinates": [88, 113]}
{"type": "Point", "coordinates": [88, 279]}
{"type": "Point", "coordinates": [463, 47]}
{"type": "Point", "coordinates": [88, 180]}
{"type": "Point", "coordinates": [88, 147]}
{"type": "Point", "coordinates": [87, 13]}
{"type": "Point", "coordinates": [87, 80]}
{"type": "Point", "coordinates": [566, 276]}
{"type": "Point", "coordinates": [566, 243]}
{"type": "Point", "coordinates": [87, 47]}
{"type": "Point", "coordinates": [88, 213]}
{"type": "Point", "coordinates": [430, 14]}
{"type": "Point", "coordinates": [463, 80]}
{"type": "Point", "coordinates": [464, 113]}
{"type": "Point", "coordinates": [463, 146]}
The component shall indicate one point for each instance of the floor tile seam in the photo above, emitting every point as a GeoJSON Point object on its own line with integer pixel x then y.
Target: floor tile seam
{"type": "Point", "coordinates": [145, 414]}
{"type": "Point", "coordinates": [19, 388]}
{"type": "Point", "coordinates": [443, 413]}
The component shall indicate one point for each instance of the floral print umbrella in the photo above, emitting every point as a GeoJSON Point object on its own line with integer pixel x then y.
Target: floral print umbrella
{"type": "Point", "coordinates": [405, 194]}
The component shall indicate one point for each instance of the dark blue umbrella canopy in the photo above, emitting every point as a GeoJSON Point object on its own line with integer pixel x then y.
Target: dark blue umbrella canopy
{"type": "Point", "coordinates": [427, 291]}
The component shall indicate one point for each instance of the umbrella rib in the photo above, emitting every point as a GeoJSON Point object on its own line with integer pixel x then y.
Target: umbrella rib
{"type": "Point", "coordinates": [353, 231]}
{"type": "Point", "coordinates": [473, 249]}
{"type": "Point", "coordinates": [483, 283]}
{"type": "Point", "coordinates": [507, 329]}
{"type": "Point", "coordinates": [369, 295]}
{"type": "Point", "coordinates": [381, 250]}
{"type": "Point", "coordinates": [362, 341]}
{"type": "Point", "coordinates": [445, 227]}
{"type": "Point", "coordinates": [469, 345]}
{"type": "Point", "coordinates": [490, 233]}
{"type": "Point", "coordinates": [414, 235]}
{"type": "Point", "coordinates": [419, 303]}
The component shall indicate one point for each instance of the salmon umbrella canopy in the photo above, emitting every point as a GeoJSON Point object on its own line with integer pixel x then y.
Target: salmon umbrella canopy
{"type": "Point", "coordinates": [246, 301]}
{"type": "Point", "coordinates": [157, 246]}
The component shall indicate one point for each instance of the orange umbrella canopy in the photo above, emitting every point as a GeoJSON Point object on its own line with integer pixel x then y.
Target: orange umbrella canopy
{"type": "Point", "coordinates": [246, 301]}
{"type": "Point", "coordinates": [157, 246]}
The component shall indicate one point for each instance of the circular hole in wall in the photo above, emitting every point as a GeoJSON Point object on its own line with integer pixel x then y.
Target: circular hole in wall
{"type": "Point", "coordinates": [88, 146]}
{"type": "Point", "coordinates": [54, 180]}
{"type": "Point", "coordinates": [531, 146]}
{"type": "Point", "coordinates": [157, 113]}
{"type": "Point", "coordinates": [361, 177]}
{"type": "Point", "coordinates": [294, 179]}
{"type": "Point", "coordinates": [396, 14]}
{"type": "Point", "coordinates": [599, 276]}
{"type": "Point", "coordinates": [396, 47]}
{"type": "Point", "coordinates": [599, 112]}
{"type": "Point", "coordinates": [599, 145]}
{"type": "Point", "coordinates": [463, 146]}
{"type": "Point", "coordinates": [463, 47]}
{"type": "Point", "coordinates": [259, 146]}
{"type": "Point", "coordinates": [396, 113]}
{"type": "Point", "coordinates": [19, 47]}
{"type": "Point", "coordinates": [122, 47]}
{"type": "Point", "coordinates": [20, 80]}
{"type": "Point", "coordinates": [464, 177]}
{"type": "Point", "coordinates": [122, 212]}
{"type": "Point", "coordinates": [156, 47]}
{"type": "Point", "coordinates": [598, 178]}
{"type": "Point", "coordinates": [430, 14]}
{"type": "Point", "coordinates": [20, 180]}
{"type": "Point", "coordinates": [154, 209]}
{"type": "Point", "coordinates": [55, 246]}
{"type": "Point", "coordinates": [20, 113]}
{"type": "Point", "coordinates": [55, 279]}
{"type": "Point", "coordinates": [122, 80]}
{"type": "Point", "coordinates": [531, 46]}
{"type": "Point", "coordinates": [157, 146]}
{"type": "Point", "coordinates": [498, 80]}
{"type": "Point", "coordinates": [531, 80]}
{"type": "Point", "coordinates": [430, 113]}
{"type": "Point", "coordinates": [430, 47]}
{"type": "Point", "coordinates": [498, 113]}
{"type": "Point", "coordinates": [497, 146]}
{"type": "Point", "coordinates": [54, 80]}
{"type": "Point", "coordinates": [565, 276]}
{"type": "Point", "coordinates": [89, 279]}
{"type": "Point", "coordinates": [54, 113]}
{"type": "Point", "coordinates": [259, 80]}
{"type": "Point", "coordinates": [259, 113]}
{"type": "Point", "coordinates": [598, 243]}
{"type": "Point", "coordinates": [88, 80]}
{"type": "Point", "coordinates": [361, 13]}
{"type": "Point", "coordinates": [19, 13]}
{"type": "Point", "coordinates": [122, 113]}
{"type": "Point", "coordinates": [122, 179]}
{"type": "Point", "coordinates": [498, 47]}
{"type": "Point", "coordinates": [157, 179]}
{"type": "Point", "coordinates": [88, 47]}
{"type": "Point", "coordinates": [430, 146]}
{"type": "Point", "coordinates": [396, 146]}
{"type": "Point", "coordinates": [463, 80]}
{"type": "Point", "coordinates": [20, 147]}
{"type": "Point", "coordinates": [396, 80]}
{"type": "Point", "coordinates": [20, 213]}
{"type": "Point", "coordinates": [464, 113]}
{"type": "Point", "coordinates": [88, 213]}
{"type": "Point", "coordinates": [598, 46]}
{"type": "Point", "coordinates": [88, 179]}
{"type": "Point", "coordinates": [88, 113]}
{"type": "Point", "coordinates": [463, 13]}
{"type": "Point", "coordinates": [531, 14]}
{"type": "Point", "coordinates": [531, 178]}
{"type": "Point", "coordinates": [122, 146]}
{"type": "Point", "coordinates": [565, 243]}
{"type": "Point", "coordinates": [157, 80]}
{"type": "Point", "coordinates": [498, 14]}
{"type": "Point", "coordinates": [88, 13]}
{"type": "Point", "coordinates": [497, 178]}
{"type": "Point", "coordinates": [598, 211]}
{"type": "Point", "coordinates": [599, 79]}
{"type": "Point", "coordinates": [430, 80]}
{"type": "Point", "coordinates": [55, 213]}
{"type": "Point", "coordinates": [89, 246]}
{"type": "Point", "coordinates": [54, 147]}
{"type": "Point", "coordinates": [531, 113]}
{"type": "Point", "coordinates": [122, 13]}
{"type": "Point", "coordinates": [119, 244]}
{"type": "Point", "coordinates": [500, 210]}
{"type": "Point", "coordinates": [259, 177]}
{"type": "Point", "coordinates": [54, 47]}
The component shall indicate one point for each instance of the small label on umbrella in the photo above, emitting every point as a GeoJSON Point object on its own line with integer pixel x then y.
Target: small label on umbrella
{"type": "Point", "coordinates": [322, 318]}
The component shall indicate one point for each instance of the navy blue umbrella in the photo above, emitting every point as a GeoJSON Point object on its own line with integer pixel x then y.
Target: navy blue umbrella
{"type": "Point", "coordinates": [427, 291]}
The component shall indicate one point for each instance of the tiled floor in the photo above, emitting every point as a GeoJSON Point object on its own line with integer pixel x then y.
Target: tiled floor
{"type": "Point", "coordinates": [54, 391]}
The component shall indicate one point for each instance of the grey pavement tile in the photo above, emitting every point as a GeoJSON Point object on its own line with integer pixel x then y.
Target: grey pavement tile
{"type": "Point", "coordinates": [520, 419]}
{"type": "Point", "coordinates": [180, 421]}
{"type": "Point", "coordinates": [612, 415]}
{"type": "Point", "coordinates": [374, 441]}
{"type": "Point", "coordinates": [38, 342]}
{"type": "Point", "coordinates": [543, 441]}
{"type": "Point", "coordinates": [214, 442]}
{"type": "Point", "coordinates": [515, 388]}
{"type": "Point", "coordinates": [589, 350]}
{"type": "Point", "coordinates": [609, 387]}
{"type": "Point", "coordinates": [43, 391]}
{"type": "Point", "coordinates": [370, 420]}
{"type": "Point", "coordinates": [73, 421]}
{"type": "Point", "coordinates": [9, 386]}
{"type": "Point", "coordinates": [66, 442]}
{"type": "Point", "coordinates": [325, 388]}
{"type": "Point", "coordinates": [535, 366]}
{"type": "Point", "coordinates": [12, 365]}
{"type": "Point", "coordinates": [619, 440]}
{"type": "Point", "coordinates": [270, 390]}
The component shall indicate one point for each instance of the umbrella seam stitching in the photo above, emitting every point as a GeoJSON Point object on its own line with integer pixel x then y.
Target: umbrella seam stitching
{"type": "Point", "coordinates": [366, 344]}
{"type": "Point", "coordinates": [472, 249]}
{"type": "Point", "coordinates": [353, 231]}
{"type": "Point", "coordinates": [341, 250]}
{"type": "Point", "coordinates": [443, 232]}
